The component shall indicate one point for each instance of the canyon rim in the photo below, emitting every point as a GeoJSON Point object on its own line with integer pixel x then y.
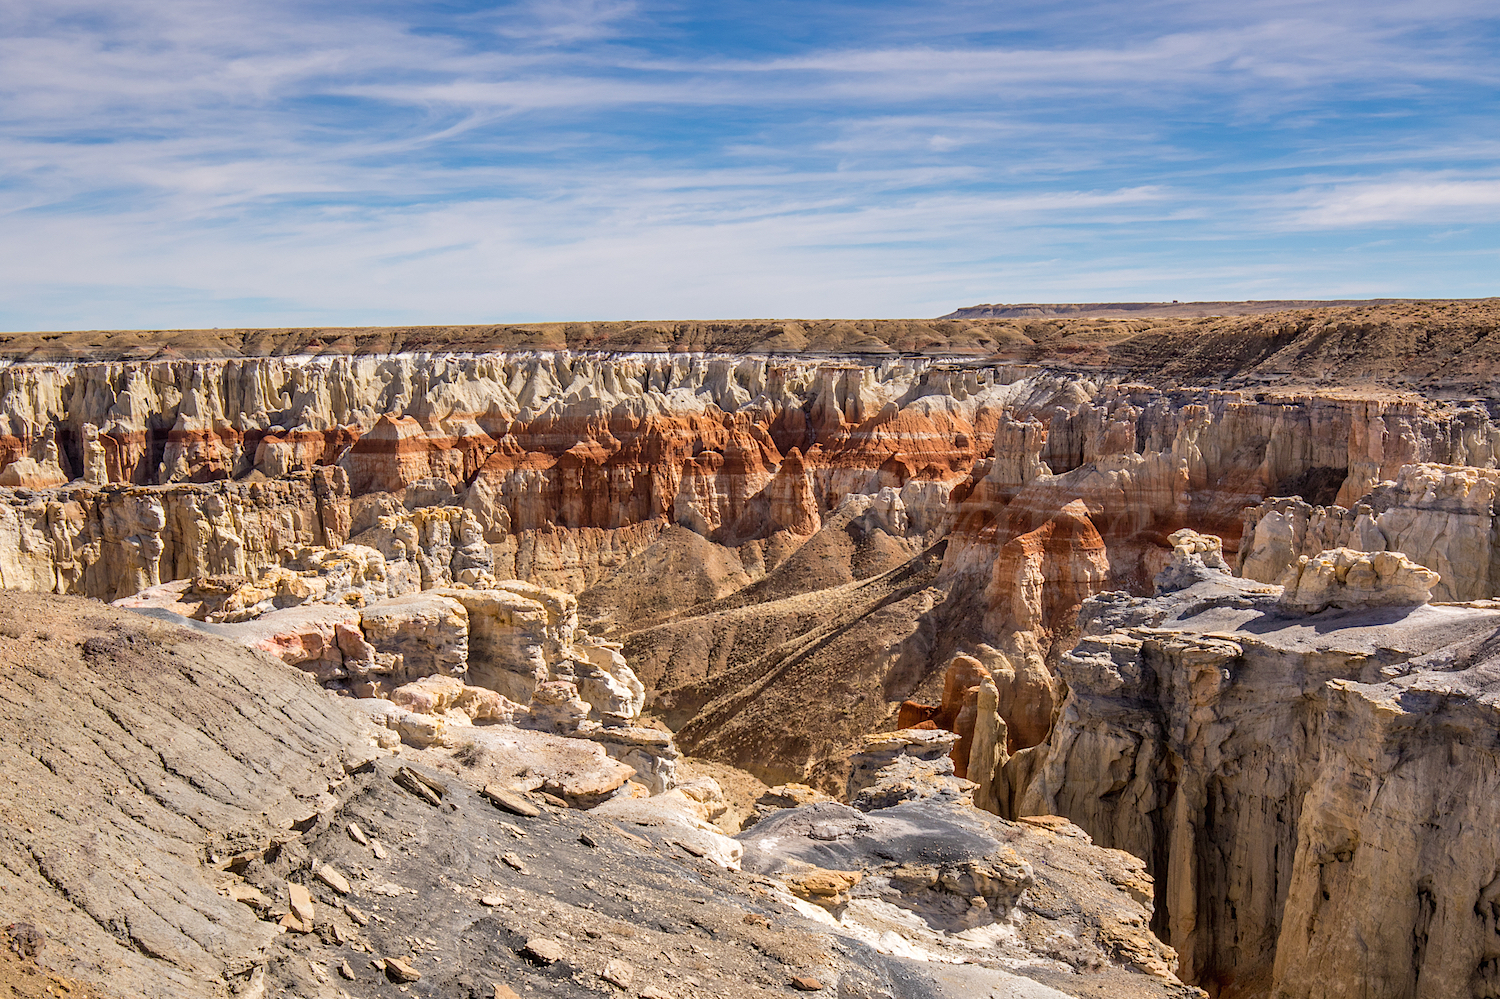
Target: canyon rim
{"type": "Point", "coordinates": [1035, 650]}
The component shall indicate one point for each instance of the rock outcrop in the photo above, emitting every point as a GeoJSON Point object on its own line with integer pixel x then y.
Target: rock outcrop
{"type": "Point", "coordinates": [186, 817]}
{"type": "Point", "coordinates": [562, 549]}
{"type": "Point", "coordinates": [1349, 579]}
{"type": "Point", "coordinates": [916, 869]}
{"type": "Point", "coordinates": [738, 448]}
{"type": "Point", "coordinates": [1195, 557]}
{"type": "Point", "coordinates": [1226, 738]}
{"type": "Point", "coordinates": [1442, 517]}
{"type": "Point", "coordinates": [976, 505]}
{"type": "Point", "coordinates": [1394, 861]}
{"type": "Point", "coordinates": [138, 758]}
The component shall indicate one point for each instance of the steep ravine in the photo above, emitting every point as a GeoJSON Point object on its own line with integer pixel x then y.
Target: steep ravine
{"type": "Point", "coordinates": [785, 548]}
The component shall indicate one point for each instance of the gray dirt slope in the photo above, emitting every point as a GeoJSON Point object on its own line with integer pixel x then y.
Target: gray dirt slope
{"type": "Point", "coordinates": [166, 795]}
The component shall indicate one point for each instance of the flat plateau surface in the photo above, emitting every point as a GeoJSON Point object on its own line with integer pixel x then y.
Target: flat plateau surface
{"type": "Point", "coordinates": [1160, 310]}
{"type": "Point", "coordinates": [1441, 347]}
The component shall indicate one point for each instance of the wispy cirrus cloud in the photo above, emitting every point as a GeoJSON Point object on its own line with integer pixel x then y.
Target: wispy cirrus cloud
{"type": "Point", "coordinates": [1430, 200]}
{"type": "Point", "coordinates": [188, 161]}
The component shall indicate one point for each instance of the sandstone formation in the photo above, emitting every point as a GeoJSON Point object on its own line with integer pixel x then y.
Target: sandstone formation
{"type": "Point", "coordinates": [1249, 753]}
{"type": "Point", "coordinates": [1152, 577]}
{"type": "Point", "coordinates": [502, 452]}
{"type": "Point", "coordinates": [1350, 579]}
{"type": "Point", "coordinates": [1440, 516]}
{"type": "Point", "coordinates": [187, 817]}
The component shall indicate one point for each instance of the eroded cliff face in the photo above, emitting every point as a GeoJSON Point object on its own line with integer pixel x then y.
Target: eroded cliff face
{"type": "Point", "coordinates": [1292, 765]}
{"type": "Point", "coordinates": [1396, 868]}
{"type": "Point", "coordinates": [1442, 515]}
{"type": "Point", "coordinates": [771, 555]}
{"type": "Point", "coordinates": [907, 509]}
{"type": "Point", "coordinates": [733, 448]}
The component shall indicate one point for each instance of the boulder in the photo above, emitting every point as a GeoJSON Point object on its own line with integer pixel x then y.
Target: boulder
{"type": "Point", "coordinates": [604, 680]}
{"type": "Point", "coordinates": [450, 696]}
{"type": "Point", "coordinates": [556, 707]}
{"type": "Point", "coordinates": [649, 751]}
{"type": "Point", "coordinates": [1348, 579]}
{"type": "Point", "coordinates": [821, 886]}
{"type": "Point", "coordinates": [1195, 557]}
{"type": "Point", "coordinates": [321, 639]}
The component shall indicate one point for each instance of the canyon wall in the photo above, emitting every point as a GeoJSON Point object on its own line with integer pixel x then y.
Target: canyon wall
{"type": "Point", "coordinates": [1303, 769]}
{"type": "Point", "coordinates": [775, 556]}
{"type": "Point", "coordinates": [906, 509]}
{"type": "Point", "coordinates": [569, 463]}
{"type": "Point", "coordinates": [1445, 515]}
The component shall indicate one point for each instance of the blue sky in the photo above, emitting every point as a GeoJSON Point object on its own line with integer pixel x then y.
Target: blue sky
{"type": "Point", "coordinates": [258, 163]}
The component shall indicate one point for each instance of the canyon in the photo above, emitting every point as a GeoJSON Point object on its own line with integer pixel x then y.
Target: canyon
{"type": "Point", "coordinates": [1207, 600]}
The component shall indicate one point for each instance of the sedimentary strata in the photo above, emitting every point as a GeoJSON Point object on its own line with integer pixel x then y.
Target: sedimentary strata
{"type": "Point", "coordinates": [1253, 744]}
{"type": "Point", "coordinates": [186, 817]}
{"type": "Point", "coordinates": [823, 513]}
{"type": "Point", "coordinates": [1441, 515]}
{"type": "Point", "coordinates": [1190, 587]}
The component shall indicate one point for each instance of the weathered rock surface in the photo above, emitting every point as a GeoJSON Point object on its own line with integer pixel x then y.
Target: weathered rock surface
{"type": "Point", "coordinates": [905, 765]}
{"type": "Point", "coordinates": [1240, 748]}
{"type": "Point", "coordinates": [1440, 516]}
{"type": "Point", "coordinates": [926, 875]}
{"type": "Point", "coordinates": [1394, 857]}
{"type": "Point", "coordinates": [1349, 579]}
{"type": "Point", "coordinates": [671, 821]}
{"type": "Point", "coordinates": [179, 820]}
{"type": "Point", "coordinates": [1195, 557]}
{"type": "Point", "coordinates": [137, 756]}
{"type": "Point", "coordinates": [543, 554]}
{"type": "Point", "coordinates": [423, 634]}
{"type": "Point", "coordinates": [364, 480]}
{"type": "Point", "coordinates": [782, 796]}
{"type": "Point", "coordinates": [322, 639]}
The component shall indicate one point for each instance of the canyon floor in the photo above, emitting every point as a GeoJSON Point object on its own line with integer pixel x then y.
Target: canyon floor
{"type": "Point", "coordinates": [1030, 651]}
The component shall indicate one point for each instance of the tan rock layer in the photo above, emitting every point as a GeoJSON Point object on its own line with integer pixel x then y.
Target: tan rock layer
{"type": "Point", "coordinates": [1295, 804]}
{"type": "Point", "coordinates": [733, 447]}
{"type": "Point", "coordinates": [1441, 516]}
{"type": "Point", "coordinates": [1410, 343]}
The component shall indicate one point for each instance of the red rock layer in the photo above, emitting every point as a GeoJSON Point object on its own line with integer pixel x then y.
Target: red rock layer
{"type": "Point", "coordinates": [957, 712]}
{"type": "Point", "coordinates": [1040, 578]}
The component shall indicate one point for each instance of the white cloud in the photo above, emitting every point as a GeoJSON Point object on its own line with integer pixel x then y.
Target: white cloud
{"type": "Point", "coordinates": [546, 158]}
{"type": "Point", "coordinates": [1430, 201]}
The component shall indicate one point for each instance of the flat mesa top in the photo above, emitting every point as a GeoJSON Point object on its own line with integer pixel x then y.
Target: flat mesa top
{"type": "Point", "coordinates": [1164, 310]}
{"type": "Point", "coordinates": [1448, 348]}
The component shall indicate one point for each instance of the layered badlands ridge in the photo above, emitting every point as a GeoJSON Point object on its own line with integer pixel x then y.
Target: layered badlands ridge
{"type": "Point", "coordinates": [776, 555]}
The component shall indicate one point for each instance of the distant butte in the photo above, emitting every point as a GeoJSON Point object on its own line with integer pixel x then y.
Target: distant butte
{"type": "Point", "coordinates": [1165, 310]}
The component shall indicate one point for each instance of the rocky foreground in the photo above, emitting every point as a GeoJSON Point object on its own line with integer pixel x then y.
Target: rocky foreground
{"type": "Point", "coordinates": [183, 816]}
{"type": "Point", "coordinates": [1214, 592]}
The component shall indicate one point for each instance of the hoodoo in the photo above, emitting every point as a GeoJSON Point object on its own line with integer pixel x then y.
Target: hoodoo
{"type": "Point", "coordinates": [1034, 652]}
